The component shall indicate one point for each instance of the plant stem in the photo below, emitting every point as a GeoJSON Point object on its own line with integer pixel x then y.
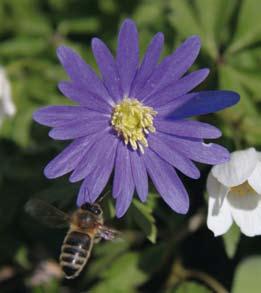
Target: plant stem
{"type": "Point", "coordinates": [180, 274]}
{"type": "Point", "coordinates": [206, 279]}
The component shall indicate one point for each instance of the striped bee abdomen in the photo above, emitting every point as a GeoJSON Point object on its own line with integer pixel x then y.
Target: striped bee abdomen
{"type": "Point", "coordinates": [75, 252]}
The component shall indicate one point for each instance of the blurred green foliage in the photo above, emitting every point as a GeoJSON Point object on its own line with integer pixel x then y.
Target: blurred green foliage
{"type": "Point", "coordinates": [155, 239]}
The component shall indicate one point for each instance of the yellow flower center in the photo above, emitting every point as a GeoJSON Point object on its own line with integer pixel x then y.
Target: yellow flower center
{"type": "Point", "coordinates": [132, 120]}
{"type": "Point", "coordinates": [242, 189]}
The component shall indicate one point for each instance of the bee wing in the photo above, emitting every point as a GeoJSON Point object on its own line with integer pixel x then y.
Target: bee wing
{"type": "Point", "coordinates": [47, 214]}
{"type": "Point", "coordinates": [108, 233]}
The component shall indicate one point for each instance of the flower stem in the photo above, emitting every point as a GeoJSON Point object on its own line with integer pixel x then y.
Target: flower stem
{"type": "Point", "coordinates": [180, 274]}
{"type": "Point", "coordinates": [206, 279]}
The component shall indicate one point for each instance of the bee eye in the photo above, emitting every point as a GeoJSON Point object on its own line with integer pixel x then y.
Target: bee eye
{"type": "Point", "coordinates": [96, 210]}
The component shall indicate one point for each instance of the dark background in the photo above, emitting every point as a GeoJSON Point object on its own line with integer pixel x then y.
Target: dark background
{"type": "Point", "coordinates": [160, 251]}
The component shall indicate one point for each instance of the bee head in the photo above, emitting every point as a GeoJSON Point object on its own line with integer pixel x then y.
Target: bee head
{"type": "Point", "coordinates": [95, 209]}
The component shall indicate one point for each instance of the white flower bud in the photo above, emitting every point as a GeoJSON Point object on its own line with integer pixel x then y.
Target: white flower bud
{"type": "Point", "coordinates": [7, 107]}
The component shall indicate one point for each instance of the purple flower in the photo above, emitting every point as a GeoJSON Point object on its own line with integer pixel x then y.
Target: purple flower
{"type": "Point", "coordinates": [134, 121]}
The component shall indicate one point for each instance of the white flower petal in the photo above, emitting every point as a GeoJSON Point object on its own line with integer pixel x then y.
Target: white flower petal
{"type": "Point", "coordinates": [255, 179]}
{"type": "Point", "coordinates": [219, 217]}
{"type": "Point", "coordinates": [246, 211]}
{"type": "Point", "coordinates": [237, 170]}
{"type": "Point", "coordinates": [7, 106]}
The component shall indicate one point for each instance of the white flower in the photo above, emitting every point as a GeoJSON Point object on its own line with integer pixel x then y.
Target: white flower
{"type": "Point", "coordinates": [234, 190]}
{"type": "Point", "coordinates": [7, 107]}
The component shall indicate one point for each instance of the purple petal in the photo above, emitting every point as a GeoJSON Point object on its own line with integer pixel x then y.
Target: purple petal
{"type": "Point", "coordinates": [123, 185]}
{"type": "Point", "coordinates": [172, 67]}
{"type": "Point", "coordinates": [55, 116]}
{"type": "Point", "coordinates": [93, 157]}
{"type": "Point", "coordinates": [101, 174]}
{"type": "Point", "coordinates": [197, 150]}
{"type": "Point", "coordinates": [78, 128]}
{"type": "Point", "coordinates": [202, 103]}
{"type": "Point", "coordinates": [170, 108]}
{"type": "Point", "coordinates": [187, 128]}
{"type": "Point", "coordinates": [95, 182]}
{"type": "Point", "coordinates": [70, 157]}
{"type": "Point", "coordinates": [177, 89]}
{"type": "Point", "coordinates": [127, 54]}
{"type": "Point", "coordinates": [107, 67]}
{"type": "Point", "coordinates": [83, 195]}
{"type": "Point", "coordinates": [149, 63]}
{"type": "Point", "coordinates": [139, 175]}
{"type": "Point", "coordinates": [167, 182]}
{"type": "Point", "coordinates": [173, 157]}
{"type": "Point", "coordinates": [79, 93]}
{"type": "Point", "coordinates": [81, 73]}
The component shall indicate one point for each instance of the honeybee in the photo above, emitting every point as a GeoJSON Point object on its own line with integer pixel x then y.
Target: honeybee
{"type": "Point", "coordinates": [85, 228]}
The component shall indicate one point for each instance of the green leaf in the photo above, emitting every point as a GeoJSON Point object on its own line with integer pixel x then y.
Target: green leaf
{"type": "Point", "coordinates": [105, 254]}
{"type": "Point", "coordinates": [209, 23]}
{"type": "Point", "coordinates": [245, 70]}
{"type": "Point", "coordinates": [222, 17]}
{"type": "Point", "coordinates": [142, 216]}
{"type": "Point", "coordinates": [189, 287]}
{"type": "Point", "coordinates": [108, 6]}
{"type": "Point", "coordinates": [35, 26]}
{"type": "Point", "coordinates": [23, 46]}
{"type": "Point", "coordinates": [18, 128]}
{"type": "Point", "coordinates": [231, 240]}
{"type": "Point", "coordinates": [246, 60]}
{"type": "Point", "coordinates": [251, 81]}
{"type": "Point", "coordinates": [21, 258]}
{"type": "Point", "coordinates": [245, 114]}
{"type": "Point", "coordinates": [152, 258]}
{"type": "Point", "coordinates": [211, 26]}
{"type": "Point", "coordinates": [249, 27]}
{"type": "Point", "coordinates": [251, 127]}
{"type": "Point", "coordinates": [52, 286]}
{"type": "Point", "coordinates": [183, 18]}
{"type": "Point", "coordinates": [79, 26]}
{"type": "Point", "coordinates": [247, 276]}
{"type": "Point", "coordinates": [230, 79]}
{"type": "Point", "coordinates": [124, 275]}
{"type": "Point", "coordinates": [149, 12]}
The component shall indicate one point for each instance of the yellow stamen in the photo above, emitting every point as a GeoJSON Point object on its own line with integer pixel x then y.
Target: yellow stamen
{"type": "Point", "coordinates": [242, 189]}
{"type": "Point", "coordinates": [133, 121]}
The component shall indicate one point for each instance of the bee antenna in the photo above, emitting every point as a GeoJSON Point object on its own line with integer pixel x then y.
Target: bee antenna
{"type": "Point", "coordinates": [102, 197]}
